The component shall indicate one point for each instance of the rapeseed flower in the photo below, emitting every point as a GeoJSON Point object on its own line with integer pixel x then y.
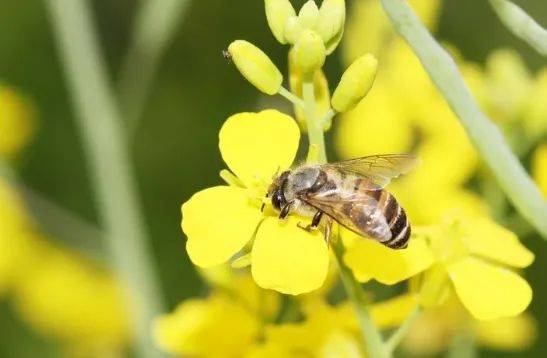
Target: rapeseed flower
{"type": "Point", "coordinates": [539, 168]}
{"type": "Point", "coordinates": [470, 255]}
{"type": "Point", "coordinates": [16, 122]}
{"type": "Point", "coordinates": [436, 328]}
{"type": "Point", "coordinates": [221, 221]}
{"type": "Point", "coordinates": [14, 236]}
{"type": "Point", "coordinates": [70, 299]}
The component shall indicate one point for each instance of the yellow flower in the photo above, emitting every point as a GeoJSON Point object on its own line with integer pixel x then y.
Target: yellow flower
{"type": "Point", "coordinates": [14, 236]}
{"type": "Point", "coordinates": [471, 253]}
{"type": "Point", "coordinates": [225, 324]}
{"type": "Point", "coordinates": [369, 29]}
{"type": "Point", "coordinates": [323, 329]}
{"type": "Point", "coordinates": [16, 122]}
{"type": "Point", "coordinates": [539, 168]}
{"type": "Point", "coordinates": [216, 327]}
{"type": "Point", "coordinates": [220, 221]}
{"type": "Point", "coordinates": [70, 299]}
{"type": "Point", "coordinates": [434, 330]}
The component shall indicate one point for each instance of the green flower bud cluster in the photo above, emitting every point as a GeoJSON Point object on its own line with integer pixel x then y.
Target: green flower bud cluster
{"type": "Point", "coordinates": [313, 34]}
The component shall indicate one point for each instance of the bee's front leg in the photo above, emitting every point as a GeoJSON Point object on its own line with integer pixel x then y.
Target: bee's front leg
{"type": "Point", "coordinates": [314, 222]}
{"type": "Point", "coordinates": [285, 210]}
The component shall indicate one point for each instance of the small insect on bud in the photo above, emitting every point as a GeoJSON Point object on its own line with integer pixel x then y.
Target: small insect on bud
{"type": "Point", "coordinates": [309, 52]}
{"type": "Point", "coordinates": [355, 83]}
{"type": "Point", "coordinates": [308, 14]}
{"type": "Point", "coordinates": [255, 66]}
{"type": "Point", "coordinates": [277, 13]}
{"type": "Point", "coordinates": [330, 24]}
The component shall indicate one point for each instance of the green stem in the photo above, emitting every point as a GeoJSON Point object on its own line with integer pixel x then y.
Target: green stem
{"type": "Point", "coordinates": [485, 136]}
{"type": "Point", "coordinates": [112, 174]}
{"type": "Point", "coordinates": [463, 346]}
{"type": "Point", "coordinates": [394, 341]}
{"type": "Point", "coordinates": [313, 124]}
{"type": "Point", "coordinates": [371, 335]}
{"type": "Point", "coordinates": [291, 97]}
{"type": "Point", "coordinates": [521, 24]}
{"type": "Point", "coordinates": [153, 30]}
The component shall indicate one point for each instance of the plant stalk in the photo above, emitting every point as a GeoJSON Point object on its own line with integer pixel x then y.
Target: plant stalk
{"type": "Point", "coordinates": [521, 24]}
{"type": "Point", "coordinates": [106, 149]}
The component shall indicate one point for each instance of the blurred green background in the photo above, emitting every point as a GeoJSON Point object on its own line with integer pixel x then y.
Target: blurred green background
{"type": "Point", "coordinates": [175, 146]}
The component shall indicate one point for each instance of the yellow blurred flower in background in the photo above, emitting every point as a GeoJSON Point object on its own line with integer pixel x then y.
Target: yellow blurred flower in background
{"type": "Point", "coordinates": [220, 221]}
{"type": "Point", "coordinates": [539, 168]}
{"type": "Point", "coordinates": [68, 298]}
{"type": "Point", "coordinates": [14, 236]}
{"type": "Point", "coordinates": [16, 122]}
{"type": "Point", "coordinates": [437, 328]}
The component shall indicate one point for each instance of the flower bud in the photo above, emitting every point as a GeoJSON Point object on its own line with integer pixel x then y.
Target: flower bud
{"type": "Point", "coordinates": [293, 29]}
{"type": "Point", "coordinates": [256, 66]}
{"type": "Point", "coordinates": [330, 23]}
{"type": "Point", "coordinates": [309, 52]}
{"type": "Point", "coordinates": [308, 14]}
{"type": "Point", "coordinates": [277, 13]}
{"type": "Point", "coordinates": [355, 83]}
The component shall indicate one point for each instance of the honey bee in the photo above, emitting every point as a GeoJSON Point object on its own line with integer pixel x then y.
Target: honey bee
{"type": "Point", "coordinates": [350, 192]}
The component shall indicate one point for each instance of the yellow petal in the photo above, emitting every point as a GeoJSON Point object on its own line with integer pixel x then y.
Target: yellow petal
{"type": "Point", "coordinates": [370, 259]}
{"type": "Point", "coordinates": [487, 239]}
{"type": "Point", "coordinates": [206, 328]}
{"type": "Point", "coordinates": [393, 312]}
{"type": "Point", "coordinates": [508, 334]}
{"type": "Point", "coordinates": [539, 167]}
{"type": "Point", "coordinates": [218, 222]}
{"type": "Point", "coordinates": [256, 145]}
{"type": "Point", "coordinates": [488, 291]}
{"type": "Point", "coordinates": [288, 259]}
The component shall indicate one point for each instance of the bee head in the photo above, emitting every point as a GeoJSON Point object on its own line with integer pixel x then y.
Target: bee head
{"type": "Point", "coordinates": [276, 190]}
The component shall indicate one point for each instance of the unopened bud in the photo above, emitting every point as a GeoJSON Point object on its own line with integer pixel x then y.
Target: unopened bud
{"type": "Point", "coordinates": [309, 52]}
{"type": "Point", "coordinates": [256, 66]}
{"type": "Point", "coordinates": [355, 83]}
{"type": "Point", "coordinates": [293, 29]}
{"type": "Point", "coordinates": [308, 14]}
{"type": "Point", "coordinates": [330, 24]}
{"type": "Point", "coordinates": [277, 13]}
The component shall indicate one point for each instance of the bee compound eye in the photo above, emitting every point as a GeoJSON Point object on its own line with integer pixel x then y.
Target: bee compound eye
{"type": "Point", "coordinates": [278, 199]}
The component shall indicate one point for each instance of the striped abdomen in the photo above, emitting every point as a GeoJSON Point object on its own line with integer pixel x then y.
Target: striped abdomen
{"type": "Point", "coordinates": [395, 218]}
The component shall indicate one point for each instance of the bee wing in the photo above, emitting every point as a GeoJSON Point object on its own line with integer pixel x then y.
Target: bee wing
{"type": "Point", "coordinates": [379, 169]}
{"type": "Point", "coordinates": [357, 211]}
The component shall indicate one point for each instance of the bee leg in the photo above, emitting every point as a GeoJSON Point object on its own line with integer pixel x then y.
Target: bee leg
{"type": "Point", "coordinates": [328, 231]}
{"type": "Point", "coordinates": [314, 222]}
{"type": "Point", "coordinates": [285, 210]}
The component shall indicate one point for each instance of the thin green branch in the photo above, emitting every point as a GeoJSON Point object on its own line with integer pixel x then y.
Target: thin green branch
{"type": "Point", "coordinates": [485, 136]}
{"type": "Point", "coordinates": [109, 162]}
{"type": "Point", "coordinates": [313, 124]}
{"type": "Point", "coordinates": [521, 24]}
{"type": "Point", "coordinates": [371, 336]}
{"type": "Point", "coordinates": [291, 97]}
{"type": "Point", "coordinates": [393, 342]}
{"type": "Point", "coordinates": [153, 30]}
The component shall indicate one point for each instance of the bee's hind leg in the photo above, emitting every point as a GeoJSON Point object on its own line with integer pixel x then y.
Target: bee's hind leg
{"type": "Point", "coordinates": [314, 222]}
